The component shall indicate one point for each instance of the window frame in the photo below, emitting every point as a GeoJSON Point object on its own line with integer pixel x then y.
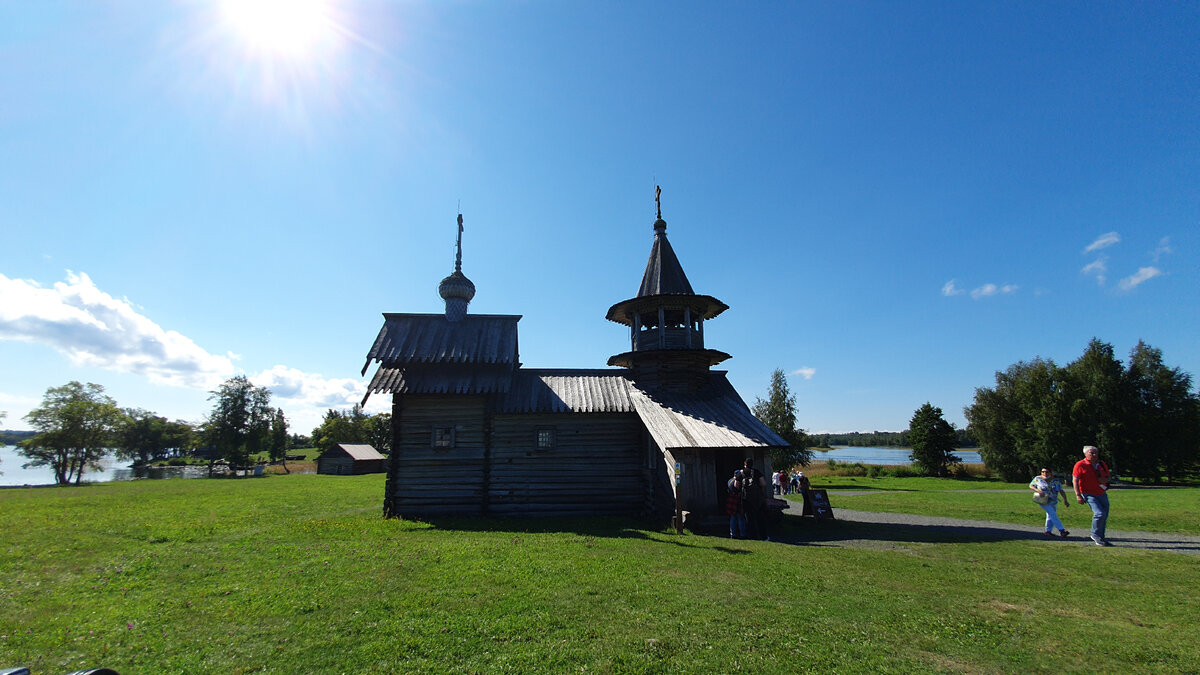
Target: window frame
{"type": "Point", "coordinates": [448, 444]}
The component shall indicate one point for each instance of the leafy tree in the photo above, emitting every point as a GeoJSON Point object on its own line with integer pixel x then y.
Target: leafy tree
{"type": "Point", "coordinates": [1144, 416]}
{"type": "Point", "coordinates": [932, 439]}
{"type": "Point", "coordinates": [76, 424]}
{"type": "Point", "coordinates": [778, 412]}
{"type": "Point", "coordinates": [1163, 417]}
{"type": "Point", "coordinates": [240, 422]}
{"type": "Point", "coordinates": [180, 436]}
{"type": "Point", "coordinates": [280, 440]}
{"type": "Point", "coordinates": [354, 426]}
{"type": "Point", "coordinates": [379, 432]}
{"type": "Point", "coordinates": [142, 436]}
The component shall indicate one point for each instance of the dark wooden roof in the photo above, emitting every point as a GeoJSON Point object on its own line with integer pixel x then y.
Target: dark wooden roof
{"type": "Point", "coordinates": [664, 275]}
{"type": "Point", "coordinates": [426, 354]}
{"type": "Point", "coordinates": [430, 338]}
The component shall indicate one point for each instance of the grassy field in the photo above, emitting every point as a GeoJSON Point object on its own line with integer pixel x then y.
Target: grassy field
{"type": "Point", "coordinates": [1171, 510]}
{"type": "Point", "coordinates": [300, 573]}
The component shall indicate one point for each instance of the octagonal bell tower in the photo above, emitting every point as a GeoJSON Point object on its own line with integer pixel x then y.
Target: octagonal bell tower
{"type": "Point", "coordinates": [666, 322]}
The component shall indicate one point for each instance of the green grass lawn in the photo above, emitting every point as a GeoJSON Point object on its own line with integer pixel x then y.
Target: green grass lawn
{"type": "Point", "coordinates": [1171, 510]}
{"type": "Point", "coordinates": [300, 573]}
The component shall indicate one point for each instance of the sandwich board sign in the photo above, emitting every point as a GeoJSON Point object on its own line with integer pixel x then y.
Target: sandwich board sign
{"type": "Point", "coordinates": [820, 504]}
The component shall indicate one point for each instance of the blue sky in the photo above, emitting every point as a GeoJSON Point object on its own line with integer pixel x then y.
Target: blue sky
{"type": "Point", "coordinates": [896, 200]}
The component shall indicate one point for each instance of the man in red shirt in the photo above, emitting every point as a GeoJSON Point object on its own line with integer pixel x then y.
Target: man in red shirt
{"type": "Point", "coordinates": [1090, 478]}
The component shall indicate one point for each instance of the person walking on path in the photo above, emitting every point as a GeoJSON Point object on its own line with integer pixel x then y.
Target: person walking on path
{"type": "Point", "coordinates": [1046, 489]}
{"type": "Point", "coordinates": [1090, 478]}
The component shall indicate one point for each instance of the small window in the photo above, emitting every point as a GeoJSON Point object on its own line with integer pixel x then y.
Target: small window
{"type": "Point", "coordinates": [443, 437]}
{"type": "Point", "coordinates": [545, 439]}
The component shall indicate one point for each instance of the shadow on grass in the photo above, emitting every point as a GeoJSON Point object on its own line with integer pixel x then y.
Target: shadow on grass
{"type": "Point", "coordinates": [857, 487]}
{"type": "Point", "coordinates": [599, 526]}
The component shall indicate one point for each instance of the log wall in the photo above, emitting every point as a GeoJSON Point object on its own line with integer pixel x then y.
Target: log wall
{"type": "Point", "coordinates": [597, 465]}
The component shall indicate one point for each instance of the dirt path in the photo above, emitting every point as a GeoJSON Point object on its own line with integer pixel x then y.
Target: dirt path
{"type": "Point", "coordinates": [887, 530]}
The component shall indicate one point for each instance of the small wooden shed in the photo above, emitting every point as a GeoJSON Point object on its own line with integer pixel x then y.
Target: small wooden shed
{"type": "Point", "coordinates": [349, 459]}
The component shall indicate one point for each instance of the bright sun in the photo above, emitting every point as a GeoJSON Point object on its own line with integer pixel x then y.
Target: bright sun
{"type": "Point", "coordinates": [289, 28]}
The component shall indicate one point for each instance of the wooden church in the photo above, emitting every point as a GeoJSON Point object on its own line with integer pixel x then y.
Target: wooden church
{"type": "Point", "coordinates": [476, 434]}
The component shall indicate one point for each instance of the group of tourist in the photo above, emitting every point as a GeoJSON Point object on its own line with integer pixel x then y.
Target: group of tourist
{"type": "Point", "coordinates": [786, 484]}
{"type": "Point", "coordinates": [746, 503]}
{"type": "Point", "coordinates": [1090, 478]}
{"type": "Point", "coordinates": [746, 499]}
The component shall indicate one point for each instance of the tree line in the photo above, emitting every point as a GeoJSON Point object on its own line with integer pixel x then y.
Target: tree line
{"type": "Point", "coordinates": [1143, 415]}
{"type": "Point", "coordinates": [883, 439]}
{"type": "Point", "coordinates": [77, 425]}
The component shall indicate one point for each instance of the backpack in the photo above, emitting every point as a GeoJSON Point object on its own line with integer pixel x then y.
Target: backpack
{"type": "Point", "coordinates": [752, 492]}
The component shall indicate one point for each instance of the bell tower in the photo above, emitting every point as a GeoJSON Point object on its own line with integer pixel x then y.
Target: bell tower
{"type": "Point", "coordinates": [666, 322]}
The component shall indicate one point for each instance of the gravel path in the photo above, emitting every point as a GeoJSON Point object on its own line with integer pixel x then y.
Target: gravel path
{"type": "Point", "coordinates": [891, 530]}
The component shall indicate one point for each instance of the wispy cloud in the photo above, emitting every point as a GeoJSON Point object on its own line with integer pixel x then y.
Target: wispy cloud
{"type": "Point", "coordinates": [1097, 268]}
{"type": "Point", "coordinates": [1164, 248]}
{"type": "Point", "coordinates": [989, 290]}
{"type": "Point", "coordinates": [950, 289]}
{"type": "Point", "coordinates": [92, 328]}
{"type": "Point", "coordinates": [805, 372]}
{"type": "Point", "coordinates": [1144, 274]}
{"type": "Point", "coordinates": [1103, 241]}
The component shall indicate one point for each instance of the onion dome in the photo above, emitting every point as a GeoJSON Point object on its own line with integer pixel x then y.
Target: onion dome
{"type": "Point", "coordinates": [457, 290]}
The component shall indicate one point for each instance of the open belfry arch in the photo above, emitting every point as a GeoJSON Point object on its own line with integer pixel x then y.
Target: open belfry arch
{"type": "Point", "coordinates": [475, 433]}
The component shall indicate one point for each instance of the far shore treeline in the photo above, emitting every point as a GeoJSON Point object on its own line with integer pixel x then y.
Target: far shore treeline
{"type": "Point", "coordinates": [1143, 414]}
{"type": "Point", "coordinates": [77, 425]}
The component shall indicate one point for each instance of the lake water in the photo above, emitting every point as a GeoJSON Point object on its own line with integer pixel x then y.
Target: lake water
{"type": "Point", "coordinates": [112, 469]}
{"type": "Point", "coordinates": [869, 455]}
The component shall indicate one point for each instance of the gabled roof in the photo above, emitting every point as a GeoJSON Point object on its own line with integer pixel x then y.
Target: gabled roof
{"type": "Point", "coordinates": [358, 451]}
{"type": "Point", "coordinates": [430, 338]}
{"type": "Point", "coordinates": [714, 417]}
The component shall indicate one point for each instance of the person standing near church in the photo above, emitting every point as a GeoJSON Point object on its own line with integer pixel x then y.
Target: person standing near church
{"type": "Point", "coordinates": [754, 500]}
{"type": "Point", "coordinates": [1090, 478]}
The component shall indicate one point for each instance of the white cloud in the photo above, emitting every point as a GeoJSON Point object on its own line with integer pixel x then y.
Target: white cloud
{"type": "Point", "coordinates": [805, 372]}
{"type": "Point", "coordinates": [92, 328]}
{"type": "Point", "coordinates": [988, 290]}
{"type": "Point", "coordinates": [1103, 241]}
{"type": "Point", "coordinates": [1143, 274]}
{"type": "Point", "coordinates": [305, 397]}
{"type": "Point", "coordinates": [950, 289]}
{"type": "Point", "coordinates": [1097, 268]}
